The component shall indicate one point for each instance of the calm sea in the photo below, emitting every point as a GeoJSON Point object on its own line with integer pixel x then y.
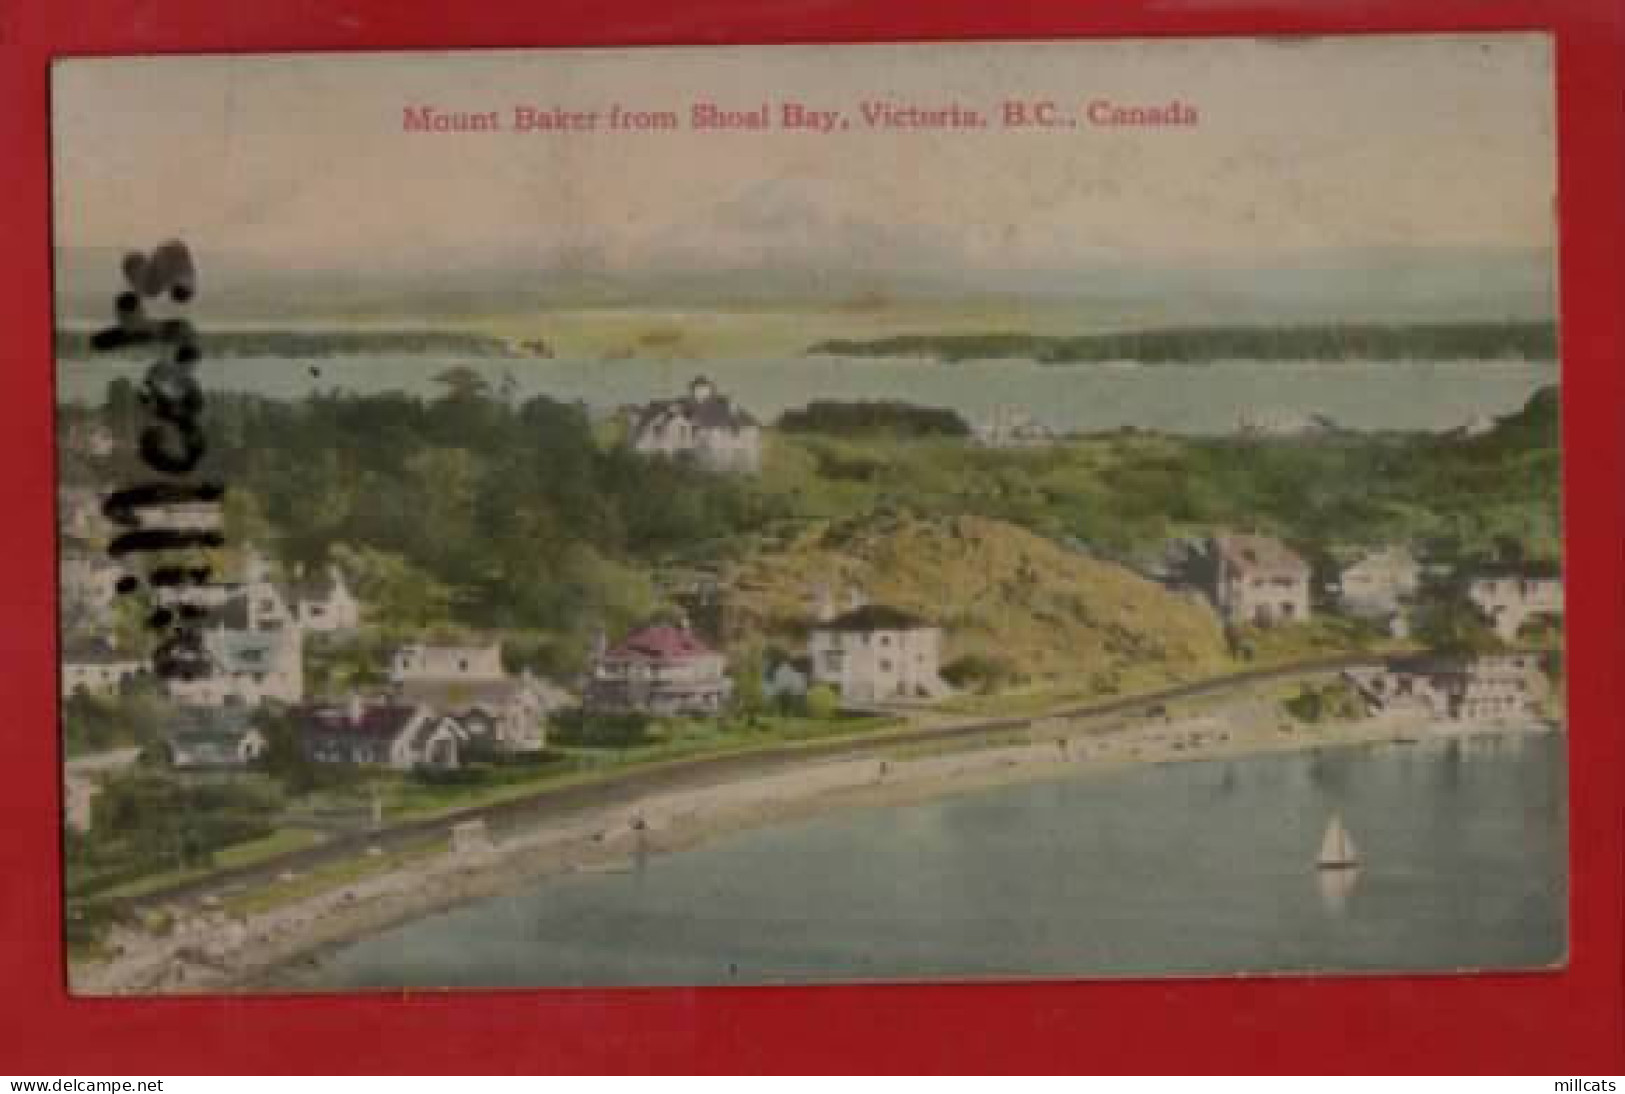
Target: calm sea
{"type": "Point", "coordinates": [1197, 868]}
{"type": "Point", "coordinates": [1177, 399]}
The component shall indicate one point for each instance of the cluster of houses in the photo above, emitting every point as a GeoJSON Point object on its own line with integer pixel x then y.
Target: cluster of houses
{"type": "Point", "coordinates": [442, 702]}
{"type": "Point", "coordinates": [866, 654]}
{"type": "Point", "coordinates": [1488, 688]}
{"type": "Point", "coordinates": [1259, 581]}
{"type": "Point", "coordinates": [1256, 580]}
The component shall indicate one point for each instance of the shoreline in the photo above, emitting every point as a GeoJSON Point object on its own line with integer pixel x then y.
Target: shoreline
{"type": "Point", "coordinates": [274, 949]}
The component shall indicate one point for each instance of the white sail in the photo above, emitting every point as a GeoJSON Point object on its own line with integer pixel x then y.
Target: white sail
{"type": "Point", "coordinates": [1337, 846]}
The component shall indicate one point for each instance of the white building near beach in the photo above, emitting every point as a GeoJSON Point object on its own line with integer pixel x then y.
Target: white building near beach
{"type": "Point", "coordinates": [873, 653]}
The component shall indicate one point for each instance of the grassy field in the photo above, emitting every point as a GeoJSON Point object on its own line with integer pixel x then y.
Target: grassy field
{"type": "Point", "coordinates": [277, 843]}
{"type": "Point", "coordinates": [673, 740]}
{"type": "Point", "coordinates": [744, 330]}
{"type": "Point", "coordinates": [331, 876]}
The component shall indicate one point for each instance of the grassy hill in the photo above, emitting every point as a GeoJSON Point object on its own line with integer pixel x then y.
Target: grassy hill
{"type": "Point", "coordinates": [1002, 594]}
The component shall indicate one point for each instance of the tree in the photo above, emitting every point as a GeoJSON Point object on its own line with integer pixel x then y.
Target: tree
{"type": "Point", "coordinates": [749, 694]}
{"type": "Point", "coordinates": [394, 590]}
{"type": "Point", "coordinates": [1446, 622]}
{"type": "Point", "coordinates": [284, 757]}
{"type": "Point", "coordinates": [462, 382]}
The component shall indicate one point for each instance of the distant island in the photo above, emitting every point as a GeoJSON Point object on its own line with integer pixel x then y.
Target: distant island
{"type": "Point", "coordinates": [1194, 345]}
{"type": "Point", "coordinates": [75, 343]}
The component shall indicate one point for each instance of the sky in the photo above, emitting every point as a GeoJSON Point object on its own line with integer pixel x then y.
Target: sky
{"type": "Point", "coordinates": [1302, 145]}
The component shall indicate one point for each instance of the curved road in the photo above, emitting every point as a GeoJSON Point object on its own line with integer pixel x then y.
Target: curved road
{"type": "Point", "coordinates": [628, 788]}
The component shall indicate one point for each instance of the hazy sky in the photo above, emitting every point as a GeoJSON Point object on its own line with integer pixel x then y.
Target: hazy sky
{"type": "Point", "coordinates": [301, 160]}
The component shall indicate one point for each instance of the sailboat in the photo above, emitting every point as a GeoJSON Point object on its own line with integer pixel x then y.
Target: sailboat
{"type": "Point", "coordinates": [1337, 850]}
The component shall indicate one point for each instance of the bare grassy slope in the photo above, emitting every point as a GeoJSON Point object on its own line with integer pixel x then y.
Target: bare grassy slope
{"type": "Point", "coordinates": [997, 590]}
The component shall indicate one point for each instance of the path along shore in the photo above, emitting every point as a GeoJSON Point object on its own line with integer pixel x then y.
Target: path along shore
{"type": "Point", "coordinates": [205, 948]}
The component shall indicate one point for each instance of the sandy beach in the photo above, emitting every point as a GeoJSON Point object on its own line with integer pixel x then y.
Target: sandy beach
{"type": "Point", "coordinates": [205, 947]}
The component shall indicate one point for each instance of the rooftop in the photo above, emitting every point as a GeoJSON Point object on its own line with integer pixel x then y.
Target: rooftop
{"type": "Point", "coordinates": [661, 642]}
{"type": "Point", "coordinates": [874, 617]}
{"type": "Point", "coordinates": [1257, 553]}
{"type": "Point", "coordinates": [711, 412]}
{"type": "Point", "coordinates": [96, 651]}
{"type": "Point", "coordinates": [374, 720]}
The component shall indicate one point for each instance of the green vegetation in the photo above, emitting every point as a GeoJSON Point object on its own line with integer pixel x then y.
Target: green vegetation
{"type": "Point", "coordinates": [1326, 635]}
{"type": "Point", "coordinates": [1191, 345]}
{"type": "Point", "coordinates": [93, 723]}
{"type": "Point", "coordinates": [466, 512]}
{"type": "Point", "coordinates": [983, 673]}
{"type": "Point", "coordinates": [144, 822]}
{"type": "Point", "coordinates": [469, 513]}
{"type": "Point", "coordinates": [330, 876]}
{"type": "Point", "coordinates": [1319, 704]}
{"type": "Point", "coordinates": [1124, 496]}
{"type": "Point", "coordinates": [888, 418]}
{"type": "Point", "coordinates": [1446, 622]}
{"type": "Point", "coordinates": [247, 853]}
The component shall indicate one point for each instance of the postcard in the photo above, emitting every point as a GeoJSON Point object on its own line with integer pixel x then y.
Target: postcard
{"type": "Point", "coordinates": [1067, 509]}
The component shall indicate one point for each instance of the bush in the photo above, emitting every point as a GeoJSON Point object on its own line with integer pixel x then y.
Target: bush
{"type": "Point", "coordinates": [980, 672]}
{"type": "Point", "coordinates": [1334, 702]}
{"type": "Point", "coordinates": [580, 728]}
{"type": "Point", "coordinates": [144, 822]}
{"type": "Point", "coordinates": [466, 775]}
{"type": "Point", "coordinates": [822, 702]}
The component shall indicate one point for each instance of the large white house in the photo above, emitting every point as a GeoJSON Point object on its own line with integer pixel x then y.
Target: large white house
{"type": "Point", "coordinates": [509, 712]}
{"type": "Point", "coordinates": [1258, 580]}
{"type": "Point", "coordinates": [1512, 598]}
{"type": "Point", "coordinates": [469, 684]}
{"type": "Point", "coordinates": [705, 426]}
{"type": "Point", "coordinates": [322, 603]}
{"type": "Point", "coordinates": [874, 653]}
{"type": "Point", "coordinates": [386, 733]}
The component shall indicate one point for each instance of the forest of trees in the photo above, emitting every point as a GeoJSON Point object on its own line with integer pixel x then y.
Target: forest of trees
{"type": "Point", "coordinates": [884, 418]}
{"type": "Point", "coordinates": [462, 509]}
{"type": "Point", "coordinates": [470, 511]}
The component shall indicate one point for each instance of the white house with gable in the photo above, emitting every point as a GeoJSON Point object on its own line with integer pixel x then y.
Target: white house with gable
{"type": "Point", "coordinates": [705, 426]}
{"type": "Point", "coordinates": [873, 653]}
{"type": "Point", "coordinates": [1378, 583]}
{"type": "Point", "coordinates": [323, 603]}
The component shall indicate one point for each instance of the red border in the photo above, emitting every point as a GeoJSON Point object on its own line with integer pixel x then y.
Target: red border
{"type": "Point", "coordinates": [1558, 1023]}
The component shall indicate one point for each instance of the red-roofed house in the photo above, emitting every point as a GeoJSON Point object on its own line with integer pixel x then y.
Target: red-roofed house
{"type": "Point", "coordinates": [661, 669]}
